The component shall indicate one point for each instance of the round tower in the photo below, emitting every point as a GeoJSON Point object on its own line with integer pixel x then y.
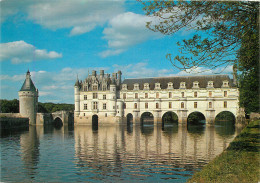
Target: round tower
{"type": "Point", "coordinates": [28, 100]}
{"type": "Point", "coordinates": [77, 98]}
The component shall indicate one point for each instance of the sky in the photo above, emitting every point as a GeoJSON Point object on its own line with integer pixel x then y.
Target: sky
{"type": "Point", "coordinates": [60, 39]}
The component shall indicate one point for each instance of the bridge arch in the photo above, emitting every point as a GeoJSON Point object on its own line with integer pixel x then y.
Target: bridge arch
{"type": "Point", "coordinates": [169, 117]}
{"type": "Point", "coordinates": [57, 122]}
{"type": "Point", "coordinates": [225, 116]}
{"type": "Point", "coordinates": [147, 118]}
{"type": "Point", "coordinates": [94, 120]}
{"type": "Point", "coordinates": [196, 117]}
{"type": "Point", "coordinates": [129, 118]}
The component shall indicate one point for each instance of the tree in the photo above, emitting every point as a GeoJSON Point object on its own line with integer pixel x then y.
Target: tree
{"type": "Point", "coordinates": [227, 33]}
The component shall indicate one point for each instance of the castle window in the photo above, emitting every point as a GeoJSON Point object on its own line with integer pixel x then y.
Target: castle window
{"type": "Point", "coordinates": [182, 105]}
{"type": "Point", "coordinates": [105, 106]}
{"type": "Point", "coordinates": [210, 104]}
{"type": "Point", "coordinates": [124, 105]}
{"type": "Point", "coordinates": [182, 94]}
{"type": "Point", "coordinates": [146, 86]}
{"type": "Point", "coordinates": [84, 114]}
{"type": "Point", "coordinates": [182, 85]}
{"type": "Point", "coordinates": [105, 114]}
{"type": "Point", "coordinates": [94, 88]}
{"type": "Point", "coordinates": [157, 86]}
{"type": "Point", "coordinates": [95, 95]}
{"type": "Point", "coordinates": [85, 88]}
{"type": "Point", "coordinates": [124, 86]}
{"type": "Point", "coordinates": [225, 93]}
{"type": "Point", "coordinates": [210, 93]}
{"type": "Point", "coordinates": [136, 86]}
{"type": "Point", "coordinates": [136, 95]}
{"type": "Point", "coordinates": [135, 106]}
{"type": "Point", "coordinates": [124, 95]}
{"type": "Point", "coordinates": [157, 95]}
{"type": "Point", "coordinates": [85, 97]}
{"type": "Point", "coordinates": [157, 105]}
{"type": "Point", "coordinates": [195, 104]}
{"type": "Point", "coordinates": [104, 97]}
{"type": "Point", "coordinates": [195, 84]}
{"type": "Point", "coordinates": [146, 105]}
{"type": "Point", "coordinates": [210, 84]}
{"type": "Point", "coordinates": [225, 84]}
{"type": "Point", "coordinates": [95, 105]}
{"type": "Point", "coordinates": [146, 95]}
{"type": "Point", "coordinates": [170, 105]}
{"type": "Point", "coordinates": [85, 106]}
{"type": "Point", "coordinates": [195, 94]}
{"type": "Point", "coordinates": [170, 85]}
{"type": "Point", "coordinates": [170, 94]}
{"type": "Point", "coordinates": [225, 104]}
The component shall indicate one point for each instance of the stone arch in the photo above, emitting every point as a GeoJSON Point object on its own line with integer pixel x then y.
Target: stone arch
{"type": "Point", "coordinates": [57, 122]}
{"type": "Point", "coordinates": [170, 117]}
{"type": "Point", "coordinates": [95, 121]}
{"type": "Point", "coordinates": [147, 118]}
{"type": "Point", "coordinates": [129, 118]}
{"type": "Point", "coordinates": [225, 116]}
{"type": "Point", "coordinates": [196, 117]}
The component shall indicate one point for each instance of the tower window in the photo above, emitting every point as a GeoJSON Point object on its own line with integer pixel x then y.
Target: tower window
{"type": "Point", "coordinates": [85, 106]}
{"type": "Point", "coordinates": [85, 97]}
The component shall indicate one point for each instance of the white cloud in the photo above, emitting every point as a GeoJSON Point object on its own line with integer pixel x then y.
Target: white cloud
{"type": "Point", "coordinates": [141, 70]}
{"type": "Point", "coordinates": [125, 30]}
{"type": "Point", "coordinates": [205, 71]}
{"type": "Point", "coordinates": [20, 51]}
{"type": "Point", "coordinates": [82, 16]}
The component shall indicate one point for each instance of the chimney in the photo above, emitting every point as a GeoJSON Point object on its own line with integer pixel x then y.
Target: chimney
{"type": "Point", "coordinates": [94, 73]}
{"type": "Point", "coordinates": [119, 74]}
{"type": "Point", "coordinates": [102, 73]}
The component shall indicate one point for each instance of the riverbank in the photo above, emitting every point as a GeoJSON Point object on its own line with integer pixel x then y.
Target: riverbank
{"type": "Point", "coordinates": [238, 163]}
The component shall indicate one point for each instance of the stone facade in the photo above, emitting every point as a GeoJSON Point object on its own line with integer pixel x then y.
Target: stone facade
{"type": "Point", "coordinates": [109, 100]}
{"type": "Point", "coordinates": [28, 100]}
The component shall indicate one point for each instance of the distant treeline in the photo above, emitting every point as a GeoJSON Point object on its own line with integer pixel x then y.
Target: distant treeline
{"type": "Point", "coordinates": [12, 106]}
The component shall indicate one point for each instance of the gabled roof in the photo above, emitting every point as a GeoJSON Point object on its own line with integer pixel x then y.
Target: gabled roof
{"type": "Point", "coordinates": [176, 80]}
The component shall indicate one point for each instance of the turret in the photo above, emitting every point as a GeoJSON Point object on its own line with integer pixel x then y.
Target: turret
{"type": "Point", "coordinates": [28, 100]}
{"type": "Point", "coordinates": [77, 97]}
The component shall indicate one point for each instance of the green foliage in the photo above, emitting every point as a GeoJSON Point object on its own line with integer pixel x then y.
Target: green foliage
{"type": "Point", "coordinates": [170, 117]}
{"type": "Point", "coordinates": [227, 33]}
{"type": "Point", "coordinates": [12, 106]}
{"type": "Point", "coordinates": [9, 106]}
{"type": "Point", "coordinates": [225, 115]}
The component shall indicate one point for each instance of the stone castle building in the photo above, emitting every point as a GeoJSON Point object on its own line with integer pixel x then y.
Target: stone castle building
{"type": "Point", "coordinates": [105, 99]}
{"type": "Point", "coordinates": [28, 100]}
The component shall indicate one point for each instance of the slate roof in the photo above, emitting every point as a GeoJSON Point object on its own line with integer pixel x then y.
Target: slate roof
{"type": "Point", "coordinates": [176, 80]}
{"type": "Point", "coordinates": [31, 86]}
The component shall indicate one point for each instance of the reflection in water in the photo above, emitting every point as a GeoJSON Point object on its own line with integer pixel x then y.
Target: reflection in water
{"type": "Point", "coordinates": [151, 153]}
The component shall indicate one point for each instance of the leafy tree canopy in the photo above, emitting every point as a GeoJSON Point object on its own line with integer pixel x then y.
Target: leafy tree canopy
{"type": "Point", "coordinates": [225, 23]}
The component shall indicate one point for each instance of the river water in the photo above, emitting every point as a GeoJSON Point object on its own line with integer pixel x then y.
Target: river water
{"type": "Point", "coordinates": [111, 153]}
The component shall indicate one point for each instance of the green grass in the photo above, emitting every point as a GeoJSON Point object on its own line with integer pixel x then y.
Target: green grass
{"type": "Point", "coordinates": [240, 162]}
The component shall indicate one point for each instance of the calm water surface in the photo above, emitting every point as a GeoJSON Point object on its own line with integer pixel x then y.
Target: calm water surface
{"type": "Point", "coordinates": [111, 153]}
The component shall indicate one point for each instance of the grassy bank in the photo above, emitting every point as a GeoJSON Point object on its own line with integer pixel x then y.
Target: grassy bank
{"type": "Point", "coordinates": [238, 163]}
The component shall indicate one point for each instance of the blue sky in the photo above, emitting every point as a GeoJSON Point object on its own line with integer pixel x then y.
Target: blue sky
{"type": "Point", "coordinates": [58, 39]}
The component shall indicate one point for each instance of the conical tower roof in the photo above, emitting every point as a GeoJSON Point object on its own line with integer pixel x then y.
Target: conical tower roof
{"type": "Point", "coordinates": [28, 84]}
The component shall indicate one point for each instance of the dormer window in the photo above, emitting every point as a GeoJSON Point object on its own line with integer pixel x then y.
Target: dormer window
{"type": "Point", "coordinates": [182, 85]}
{"type": "Point", "coordinates": [195, 84]}
{"type": "Point", "coordinates": [210, 84]}
{"type": "Point", "coordinates": [104, 87]}
{"type": "Point", "coordinates": [146, 86]}
{"type": "Point", "coordinates": [124, 87]}
{"type": "Point", "coordinates": [225, 84]}
{"type": "Point", "coordinates": [94, 87]}
{"type": "Point", "coordinates": [170, 85]}
{"type": "Point", "coordinates": [157, 86]}
{"type": "Point", "coordinates": [136, 86]}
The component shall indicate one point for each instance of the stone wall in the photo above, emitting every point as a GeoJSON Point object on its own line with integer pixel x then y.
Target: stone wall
{"type": "Point", "coordinates": [13, 121]}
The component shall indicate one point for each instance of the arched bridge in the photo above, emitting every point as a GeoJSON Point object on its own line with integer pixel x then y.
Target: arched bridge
{"type": "Point", "coordinates": [64, 117]}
